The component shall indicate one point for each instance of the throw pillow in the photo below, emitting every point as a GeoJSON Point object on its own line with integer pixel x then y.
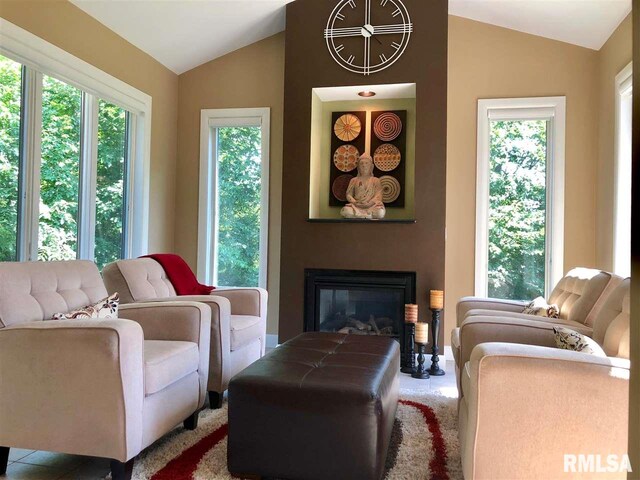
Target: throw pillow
{"type": "Point", "coordinates": [568, 339]}
{"type": "Point", "coordinates": [105, 308]}
{"type": "Point", "coordinates": [541, 308]}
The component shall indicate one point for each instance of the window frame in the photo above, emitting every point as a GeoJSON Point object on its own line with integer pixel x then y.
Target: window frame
{"type": "Point", "coordinates": [553, 110]}
{"type": "Point", "coordinates": [211, 119]}
{"type": "Point", "coordinates": [39, 58]}
{"type": "Point", "coordinates": [623, 87]}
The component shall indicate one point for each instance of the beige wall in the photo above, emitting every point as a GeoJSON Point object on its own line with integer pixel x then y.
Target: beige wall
{"type": "Point", "coordinates": [492, 62]}
{"type": "Point", "coordinates": [612, 58]}
{"type": "Point", "coordinates": [250, 77]}
{"type": "Point", "coordinates": [66, 26]}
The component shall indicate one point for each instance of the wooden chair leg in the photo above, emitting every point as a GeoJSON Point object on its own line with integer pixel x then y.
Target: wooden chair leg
{"type": "Point", "coordinates": [191, 423]}
{"type": "Point", "coordinates": [215, 399]}
{"type": "Point", "coordinates": [121, 470]}
{"type": "Point", "coordinates": [4, 459]}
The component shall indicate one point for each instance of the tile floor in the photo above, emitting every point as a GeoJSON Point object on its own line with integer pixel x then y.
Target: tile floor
{"type": "Point", "coordinates": [39, 465]}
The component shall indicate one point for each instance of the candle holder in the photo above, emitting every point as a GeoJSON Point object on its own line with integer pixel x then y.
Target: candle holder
{"type": "Point", "coordinates": [420, 372]}
{"type": "Point", "coordinates": [435, 369]}
{"type": "Point", "coordinates": [409, 357]}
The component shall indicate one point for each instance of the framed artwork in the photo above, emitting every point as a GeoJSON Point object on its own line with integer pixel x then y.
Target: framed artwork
{"type": "Point", "coordinates": [388, 149]}
{"type": "Point", "coordinates": [348, 134]}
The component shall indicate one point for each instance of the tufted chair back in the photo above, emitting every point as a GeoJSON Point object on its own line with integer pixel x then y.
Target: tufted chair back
{"type": "Point", "coordinates": [33, 291]}
{"type": "Point", "coordinates": [577, 293]}
{"type": "Point", "coordinates": [137, 280]}
{"type": "Point", "coordinates": [612, 322]}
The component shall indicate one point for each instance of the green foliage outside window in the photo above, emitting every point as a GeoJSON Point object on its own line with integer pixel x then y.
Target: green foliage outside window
{"type": "Point", "coordinates": [517, 209]}
{"type": "Point", "coordinates": [239, 173]}
{"type": "Point", "coordinates": [10, 86]}
{"type": "Point", "coordinates": [60, 170]}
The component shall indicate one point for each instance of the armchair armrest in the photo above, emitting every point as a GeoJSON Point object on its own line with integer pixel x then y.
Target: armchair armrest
{"type": "Point", "coordinates": [176, 320]}
{"type": "Point", "coordinates": [478, 330]}
{"type": "Point", "coordinates": [473, 303]}
{"type": "Point", "coordinates": [528, 402]}
{"type": "Point", "coordinates": [220, 341]}
{"type": "Point", "coordinates": [74, 386]}
{"type": "Point", "coordinates": [245, 301]}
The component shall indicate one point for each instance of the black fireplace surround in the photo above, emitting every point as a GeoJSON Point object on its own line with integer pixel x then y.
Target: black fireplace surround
{"type": "Point", "coordinates": [359, 302]}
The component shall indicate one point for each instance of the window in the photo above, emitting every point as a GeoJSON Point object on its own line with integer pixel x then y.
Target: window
{"type": "Point", "coordinates": [622, 214]}
{"type": "Point", "coordinates": [234, 201]}
{"type": "Point", "coordinates": [74, 150]}
{"type": "Point", "coordinates": [519, 219]}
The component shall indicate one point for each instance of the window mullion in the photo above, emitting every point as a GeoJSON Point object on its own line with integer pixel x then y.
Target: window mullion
{"type": "Point", "coordinates": [31, 126]}
{"type": "Point", "coordinates": [88, 167]}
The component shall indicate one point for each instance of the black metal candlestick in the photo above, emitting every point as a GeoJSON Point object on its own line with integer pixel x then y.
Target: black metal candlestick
{"type": "Point", "coordinates": [409, 357]}
{"type": "Point", "coordinates": [435, 370]}
{"type": "Point", "coordinates": [420, 371]}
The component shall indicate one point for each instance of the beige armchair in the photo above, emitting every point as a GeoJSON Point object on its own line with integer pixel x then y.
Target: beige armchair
{"type": "Point", "coordinates": [579, 295]}
{"type": "Point", "coordinates": [525, 404]}
{"type": "Point", "coordinates": [238, 317]}
{"type": "Point", "coordinates": [105, 388]}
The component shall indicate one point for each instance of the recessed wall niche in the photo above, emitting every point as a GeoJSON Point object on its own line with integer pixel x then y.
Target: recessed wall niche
{"type": "Point", "coordinates": [330, 102]}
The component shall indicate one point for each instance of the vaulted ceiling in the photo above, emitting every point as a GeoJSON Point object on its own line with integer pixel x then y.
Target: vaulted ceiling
{"type": "Point", "coordinates": [184, 34]}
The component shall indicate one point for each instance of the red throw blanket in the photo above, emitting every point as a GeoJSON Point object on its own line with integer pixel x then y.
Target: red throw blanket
{"type": "Point", "coordinates": [180, 274]}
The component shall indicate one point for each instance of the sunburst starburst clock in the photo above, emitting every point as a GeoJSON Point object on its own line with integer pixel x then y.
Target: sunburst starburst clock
{"type": "Point", "coordinates": [368, 36]}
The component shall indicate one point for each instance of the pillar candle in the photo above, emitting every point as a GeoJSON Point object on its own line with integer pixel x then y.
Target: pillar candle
{"type": "Point", "coordinates": [436, 300]}
{"type": "Point", "coordinates": [410, 313]}
{"type": "Point", "coordinates": [422, 333]}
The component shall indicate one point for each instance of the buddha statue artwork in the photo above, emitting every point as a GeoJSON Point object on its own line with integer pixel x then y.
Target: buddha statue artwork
{"type": "Point", "coordinates": [364, 193]}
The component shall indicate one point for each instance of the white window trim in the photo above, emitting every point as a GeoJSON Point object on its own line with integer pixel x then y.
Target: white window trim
{"type": "Point", "coordinates": [207, 214]}
{"type": "Point", "coordinates": [42, 57]}
{"type": "Point", "coordinates": [623, 87]}
{"type": "Point", "coordinates": [549, 108]}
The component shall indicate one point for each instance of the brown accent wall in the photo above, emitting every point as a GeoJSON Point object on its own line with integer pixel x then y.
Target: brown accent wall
{"type": "Point", "coordinates": [66, 26]}
{"type": "Point", "coordinates": [418, 247]}
{"type": "Point", "coordinates": [252, 76]}
{"type": "Point", "coordinates": [486, 61]}
{"type": "Point", "coordinates": [612, 58]}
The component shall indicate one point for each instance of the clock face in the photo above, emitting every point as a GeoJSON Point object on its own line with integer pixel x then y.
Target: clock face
{"type": "Point", "coordinates": [367, 36]}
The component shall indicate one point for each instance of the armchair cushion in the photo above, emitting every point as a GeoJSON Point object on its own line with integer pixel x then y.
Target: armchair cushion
{"type": "Point", "coordinates": [244, 330]}
{"type": "Point", "coordinates": [166, 362]}
{"type": "Point", "coordinates": [105, 308]}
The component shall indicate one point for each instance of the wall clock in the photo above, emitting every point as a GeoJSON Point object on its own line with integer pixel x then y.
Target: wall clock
{"type": "Point", "coordinates": [367, 36]}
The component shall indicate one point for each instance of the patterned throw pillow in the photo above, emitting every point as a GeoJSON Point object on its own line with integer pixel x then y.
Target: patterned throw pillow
{"type": "Point", "coordinates": [105, 308]}
{"type": "Point", "coordinates": [541, 308]}
{"type": "Point", "coordinates": [568, 339]}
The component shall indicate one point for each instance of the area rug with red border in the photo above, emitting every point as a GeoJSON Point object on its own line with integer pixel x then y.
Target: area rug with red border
{"type": "Point", "coordinates": [424, 445]}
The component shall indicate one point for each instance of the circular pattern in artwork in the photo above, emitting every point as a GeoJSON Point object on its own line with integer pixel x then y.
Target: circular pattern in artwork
{"type": "Point", "coordinates": [387, 127]}
{"type": "Point", "coordinates": [339, 187]}
{"type": "Point", "coordinates": [387, 157]}
{"type": "Point", "coordinates": [347, 127]}
{"type": "Point", "coordinates": [346, 157]}
{"type": "Point", "coordinates": [390, 189]}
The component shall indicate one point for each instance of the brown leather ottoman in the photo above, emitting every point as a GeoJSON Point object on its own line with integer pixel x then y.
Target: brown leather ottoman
{"type": "Point", "coordinates": [320, 406]}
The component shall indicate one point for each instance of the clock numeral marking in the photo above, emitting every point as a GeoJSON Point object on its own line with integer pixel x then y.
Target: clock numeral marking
{"type": "Point", "coordinates": [383, 3]}
{"type": "Point", "coordinates": [352, 3]}
{"type": "Point", "coordinates": [340, 16]}
{"type": "Point", "coordinates": [396, 12]}
{"type": "Point", "coordinates": [339, 48]}
{"type": "Point", "coordinates": [351, 59]}
{"type": "Point", "coordinates": [396, 45]}
{"type": "Point", "coordinates": [383, 57]}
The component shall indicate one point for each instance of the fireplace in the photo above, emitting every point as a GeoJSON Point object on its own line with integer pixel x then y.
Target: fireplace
{"type": "Point", "coordinates": [357, 302]}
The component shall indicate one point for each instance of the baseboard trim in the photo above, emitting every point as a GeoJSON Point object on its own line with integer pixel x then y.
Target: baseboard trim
{"type": "Point", "coordinates": [272, 340]}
